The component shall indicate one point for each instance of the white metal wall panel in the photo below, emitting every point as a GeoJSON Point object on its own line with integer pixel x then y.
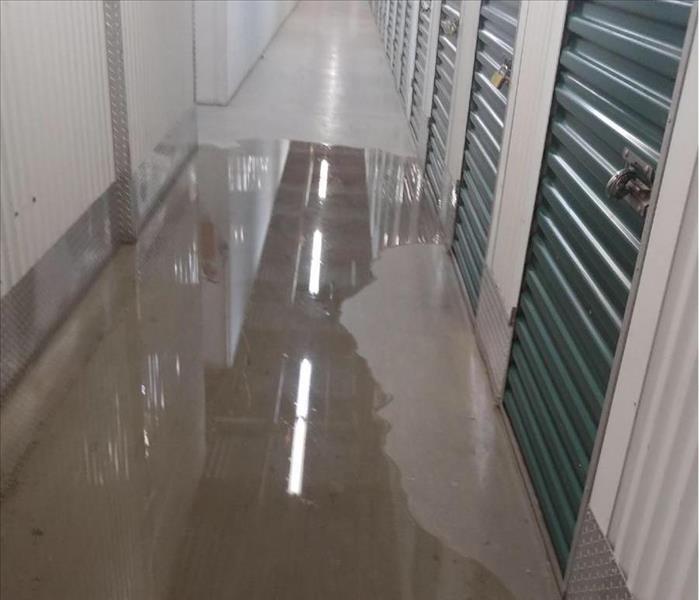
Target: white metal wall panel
{"type": "Point", "coordinates": [231, 35]}
{"type": "Point", "coordinates": [654, 523]}
{"type": "Point", "coordinates": [55, 125]}
{"type": "Point", "coordinates": [158, 69]}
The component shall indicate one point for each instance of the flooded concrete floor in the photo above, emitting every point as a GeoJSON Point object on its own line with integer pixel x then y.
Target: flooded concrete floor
{"type": "Point", "coordinates": [275, 394]}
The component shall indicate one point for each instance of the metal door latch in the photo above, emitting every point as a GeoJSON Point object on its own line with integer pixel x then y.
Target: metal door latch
{"type": "Point", "coordinates": [450, 26]}
{"type": "Point", "coordinates": [502, 75]}
{"type": "Point", "coordinates": [633, 183]}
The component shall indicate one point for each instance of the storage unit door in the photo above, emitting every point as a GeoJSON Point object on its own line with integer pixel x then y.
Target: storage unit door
{"type": "Point", "coordinates": [612, 98]}
{"type": "Point", "coordinates": [397, 39]}
{"type": "Point", "coordinates": [488, 105]}
{"type": "Point", "coordinates": [403, 81]}
{"type": "Point", "coordinates": [384, 19]}
{"type": "Point", "coordinates": [420, 70]}
{"type": "Point", "coordinates": [390, 29]}
{"type": "Point", "coordinates": [435, 163]}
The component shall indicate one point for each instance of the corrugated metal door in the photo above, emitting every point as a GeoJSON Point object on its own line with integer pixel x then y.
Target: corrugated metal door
{"type": "Point", "coordinates": [397, 41]}
{"type": "Point", "coordinates": [390, 29]}
{"type": "Point", "coordinates": [616, 75]}
{"type": "Point", "coordinates": [489, 92]}
{"type": "Point", "coordinates": [435, 163]}
{"type": "Point", "coordinates": [403, 82]}
{"type": "Point", "coordinates": [383, 17]}
{"type": "Point", "coordinates": [421, 49]}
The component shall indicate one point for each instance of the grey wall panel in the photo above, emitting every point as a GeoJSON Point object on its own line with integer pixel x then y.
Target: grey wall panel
{"type": "Point", "coordinates": [56, 157]}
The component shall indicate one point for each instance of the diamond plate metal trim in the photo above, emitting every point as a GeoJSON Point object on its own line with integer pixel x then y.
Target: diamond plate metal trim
{"type": "Point", "coordinates": [137, 193]}
{"type": "Point", "coordinates": [493, 332]}
{"type": "Point", "coordinates": [593, 571]}
{"type": "Point", "coordinates": [123, 214]}
{"type": "Point", "coordinates": [36, 305]}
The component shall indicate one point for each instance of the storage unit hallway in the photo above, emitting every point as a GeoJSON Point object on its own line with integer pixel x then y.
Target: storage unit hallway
{"type": "Point", "coordinates": [354, 300]}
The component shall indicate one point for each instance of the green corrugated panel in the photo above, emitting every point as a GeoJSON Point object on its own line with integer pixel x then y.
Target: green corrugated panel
{"type": "Point", "coordinates": [614, 87]}
{"type": "Point", "coordinates": [436, 154]}
{"type": "Point", "coordinates": [418, 83]}
{"type": "Point", "coordinates": [488, 105]}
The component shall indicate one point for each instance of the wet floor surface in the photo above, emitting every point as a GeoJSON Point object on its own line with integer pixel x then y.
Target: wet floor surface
{"type": "Point", "coordinates": [281, 399]}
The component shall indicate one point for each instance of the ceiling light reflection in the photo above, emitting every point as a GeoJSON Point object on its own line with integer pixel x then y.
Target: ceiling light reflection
{"type": "Point", "coordinates": [316, 251]}
{"type": "Point", "coordinates": [298, 443]}
{"type": "Point", "coordinates": [323, 179]}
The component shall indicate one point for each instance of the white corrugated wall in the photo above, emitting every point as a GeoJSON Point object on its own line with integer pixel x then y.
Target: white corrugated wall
{"type": "Point", "coordinates": [654, 523]}
{"type": "Point", "coordinates": [55, 125]}
{"type": "Point", "coordinates": [159, 70]}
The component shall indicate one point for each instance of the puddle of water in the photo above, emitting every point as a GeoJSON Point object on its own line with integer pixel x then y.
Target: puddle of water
{"type": "Point", "coordinates": [226, 439]}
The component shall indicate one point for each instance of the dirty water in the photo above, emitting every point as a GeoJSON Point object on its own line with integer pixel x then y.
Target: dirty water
{"type": "Point", "coordinates": [277, 407]}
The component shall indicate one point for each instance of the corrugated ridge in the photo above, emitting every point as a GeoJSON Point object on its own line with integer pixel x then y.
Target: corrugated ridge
{"type": "Point", "coordinates": [158, 70]}
{"type": "Point", "coordinates": [418, 84]}
{"type": "Point", "coordinates": [653, 527]}
{"type": "Point", "coordinates": [56, 135]}
{"type": "Point", "coordinates": [405, 48]}
{"type": "Point", "coordinates": [441, 101]}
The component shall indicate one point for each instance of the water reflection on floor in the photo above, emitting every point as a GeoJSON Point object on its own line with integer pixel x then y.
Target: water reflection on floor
{"type": "Point", "coordinates": [227, 437]}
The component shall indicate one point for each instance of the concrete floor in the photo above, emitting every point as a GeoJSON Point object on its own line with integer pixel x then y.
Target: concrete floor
{"type": "Point", "coordinates": [276, 393]}
{"type": "Point", "coordinates": [324, 78]}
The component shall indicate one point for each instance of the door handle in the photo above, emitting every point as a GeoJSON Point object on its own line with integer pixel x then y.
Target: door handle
{"type": "Point", "coordinates": [632, 183]}
{"type": "Point", "coordinates": [450, 26]}
{"type": "Point", "coordinates": [502, 75]}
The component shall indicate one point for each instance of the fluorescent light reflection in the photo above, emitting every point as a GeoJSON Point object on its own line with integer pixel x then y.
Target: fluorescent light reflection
{"type": "Point", "coordinates": [323, 180]}
{"type": "Point", "coordinates": [298, 443]}
{"type": "Point", "coordinates": [316, 251]}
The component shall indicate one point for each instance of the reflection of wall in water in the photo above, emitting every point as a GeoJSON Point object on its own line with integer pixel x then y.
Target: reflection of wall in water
{"type": "Point", "coordinates": [237, 187]}
{"type": "Point", "coordinates": [142, 435]}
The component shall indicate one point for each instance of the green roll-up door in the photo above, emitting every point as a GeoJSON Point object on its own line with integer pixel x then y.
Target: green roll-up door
{"type": "Point", "coordinates": [420, 70]}
{"type": "Point", "coordinates": [436, 156]}
{"type": "Point", "coordinates": [403, 81]}
{"type": "Point", "coordinates": [490, 85]}
{"type": "Point", "coordinates": [397, 40]}
{"type": "Point", "coordinates": [612, 98]}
